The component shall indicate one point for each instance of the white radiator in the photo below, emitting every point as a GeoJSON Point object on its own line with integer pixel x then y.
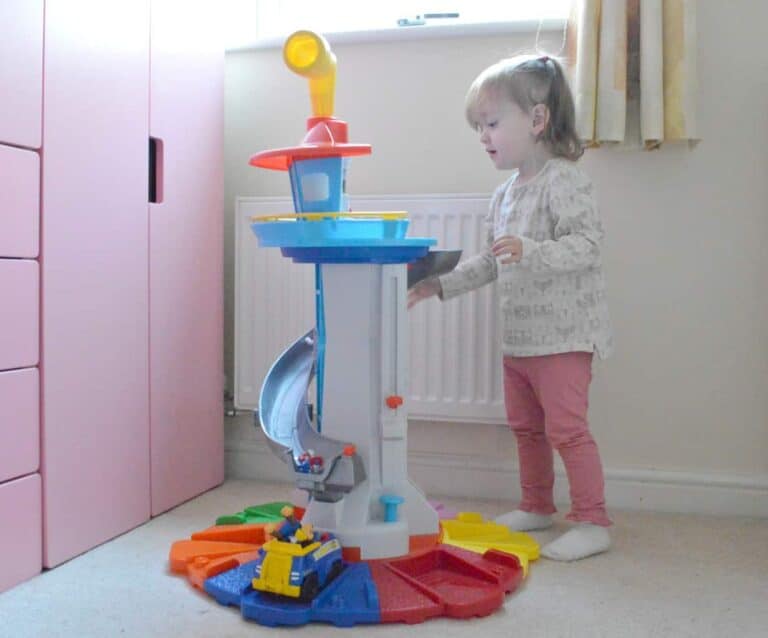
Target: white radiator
{"type": "Point", "coordinates": [455, 359]}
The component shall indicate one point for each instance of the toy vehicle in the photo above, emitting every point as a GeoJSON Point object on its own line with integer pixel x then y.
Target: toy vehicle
{"type": "Point", "coordinates": [298, 569]}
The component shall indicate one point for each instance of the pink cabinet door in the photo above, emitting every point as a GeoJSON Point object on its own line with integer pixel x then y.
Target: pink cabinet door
{"type": "Point", "coordinates": [19, 423]}
{"type": "Point", "coordinates": [21, 71]}
{"type": "Point", "coordinates": [19, 202]}
{"type": "Point", "coordinates": [19, 313]}
{"type": "Point", "coordinates": [95, 364]}
{"type": "Point", "coordinates": [186, 226]}
{"type": "Point", "coordinates": [20, 533]}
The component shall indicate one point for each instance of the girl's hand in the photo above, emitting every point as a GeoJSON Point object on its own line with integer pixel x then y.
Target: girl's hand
{"type": "Point", "coordinates": [509, 248]}
{"type": "Point", "coordinates": [424, 290]}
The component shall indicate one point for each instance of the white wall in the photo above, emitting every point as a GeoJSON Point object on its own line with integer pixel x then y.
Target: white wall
{"type": "Point", "coordinates": [684, 402]}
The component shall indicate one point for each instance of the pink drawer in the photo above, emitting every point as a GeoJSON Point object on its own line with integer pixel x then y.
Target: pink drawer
{"type": "Point", "coordinates": [19, 318]}
{"type": "Point", "coordinates": [21, 72]}
{"type": "Point", "coordinates": [21, 530]}
{"type": "Point", "coordinates": [19, 202]}
{"type": "Point", "coordinates": [19, 423]}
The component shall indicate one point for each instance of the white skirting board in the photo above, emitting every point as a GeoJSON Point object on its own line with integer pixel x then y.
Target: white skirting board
{"type": "Point", "coordinates": [472, 476]}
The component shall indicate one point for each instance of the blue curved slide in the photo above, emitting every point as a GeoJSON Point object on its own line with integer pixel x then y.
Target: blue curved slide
{"type": "Point", "coordinates": [320, 464]}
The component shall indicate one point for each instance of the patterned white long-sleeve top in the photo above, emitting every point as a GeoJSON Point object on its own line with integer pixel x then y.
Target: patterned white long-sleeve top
{"type": "Point", "coordinates": [553, 300]}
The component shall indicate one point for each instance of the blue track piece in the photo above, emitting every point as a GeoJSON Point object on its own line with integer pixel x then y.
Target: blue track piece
{"type": "Point", "coordinates": [351, 599]}
{"type": "Point", "coordinates": [228, 587]}
{"type": "Point", "coordinates": [274, 611]}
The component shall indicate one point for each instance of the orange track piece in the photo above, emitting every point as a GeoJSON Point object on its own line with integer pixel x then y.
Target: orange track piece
{"type": "Point", "coordinates": [185, 553]}
{"type": "Point", "coordinates": [216, 550]}
{"type": "Point", "coordinates": [247, 533]}
{"type": "Point", "coordinates": [203, 568]}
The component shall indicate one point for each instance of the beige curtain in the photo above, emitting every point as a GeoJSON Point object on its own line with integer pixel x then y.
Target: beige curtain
{"type": "Point", "coordinates": [633, 71]}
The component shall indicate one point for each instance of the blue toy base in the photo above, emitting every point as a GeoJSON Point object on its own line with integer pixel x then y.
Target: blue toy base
{"type": "Point", "coordinates": [399, 253]}
{"type": "Point", "coordinates": [319, 232]}
{"type": "Point", "coordinates": [351, 599]}
{"type": "Point", "coordinates": [343, 240]}
{"type": "Point", "coordinates": [443, 581]}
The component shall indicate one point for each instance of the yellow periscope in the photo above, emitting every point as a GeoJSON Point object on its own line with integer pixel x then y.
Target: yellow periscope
{"type": "Point", "coordinates": [309, 55]}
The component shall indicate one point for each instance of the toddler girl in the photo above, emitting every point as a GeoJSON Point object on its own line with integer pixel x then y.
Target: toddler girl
{"type": "Point", "coordinates": [543, 245]}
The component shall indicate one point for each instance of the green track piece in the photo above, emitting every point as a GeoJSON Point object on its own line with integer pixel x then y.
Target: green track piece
{"type": "Point", "coordinates": [266, 513]}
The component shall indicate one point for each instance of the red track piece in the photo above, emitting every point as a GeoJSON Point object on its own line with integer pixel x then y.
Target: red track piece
{"type": "Point", "coordinates": [446, 581]}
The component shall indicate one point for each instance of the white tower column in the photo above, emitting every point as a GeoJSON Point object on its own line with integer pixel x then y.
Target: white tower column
{"type": "Point", "coordinates": [366, 362]}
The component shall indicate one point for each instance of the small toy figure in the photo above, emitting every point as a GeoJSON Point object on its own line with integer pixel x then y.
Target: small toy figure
{"type": "Point", "coordinates": [288, 528]}
{"type": "Point", "coordinates": [304, 535]}
{"type": "Point", "coordinates": [308, 462]}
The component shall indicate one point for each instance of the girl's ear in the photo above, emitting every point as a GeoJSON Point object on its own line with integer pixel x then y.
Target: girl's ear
{"type": "Point", "coordinates": [539, 119]}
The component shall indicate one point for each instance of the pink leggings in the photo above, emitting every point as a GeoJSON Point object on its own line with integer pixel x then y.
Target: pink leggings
{"type": "Point", "coordinates": [546, 399]}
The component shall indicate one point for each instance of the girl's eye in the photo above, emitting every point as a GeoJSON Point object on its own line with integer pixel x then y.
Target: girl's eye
{"type": "Point", "coordinates": [492, 124]}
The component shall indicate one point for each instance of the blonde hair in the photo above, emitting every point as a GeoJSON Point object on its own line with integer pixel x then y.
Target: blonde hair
{"type": "Point", "coordinates": [528, 81]}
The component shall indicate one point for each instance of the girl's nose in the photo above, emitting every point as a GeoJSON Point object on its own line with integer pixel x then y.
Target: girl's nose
{"type": "Point", "coordinates": [484, 136]}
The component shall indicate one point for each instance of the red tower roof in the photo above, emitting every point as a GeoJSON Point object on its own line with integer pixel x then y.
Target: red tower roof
{"type": "Point", "coordinates": [326, 137]}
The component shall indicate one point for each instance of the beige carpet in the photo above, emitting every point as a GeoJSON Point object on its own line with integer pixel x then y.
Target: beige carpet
{"type": "Point", "coordinates": [667, 575]}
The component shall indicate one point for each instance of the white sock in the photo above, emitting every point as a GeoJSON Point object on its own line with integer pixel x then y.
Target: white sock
{"type": "Point", "coordinates": [520, 521]}
{"type": "Point", "coordinates": [583, 540]}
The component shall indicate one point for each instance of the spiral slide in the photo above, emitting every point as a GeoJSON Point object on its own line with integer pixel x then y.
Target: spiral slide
{"type": "Point", "coordinates": [325, 467]}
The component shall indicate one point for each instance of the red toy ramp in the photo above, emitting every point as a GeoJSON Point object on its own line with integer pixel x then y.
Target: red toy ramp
{"type": "Point", "coordinates": [445, 581]}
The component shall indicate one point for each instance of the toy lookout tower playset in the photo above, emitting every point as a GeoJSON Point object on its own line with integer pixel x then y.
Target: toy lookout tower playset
{"type": "Point", "coordinates": [368, 547]}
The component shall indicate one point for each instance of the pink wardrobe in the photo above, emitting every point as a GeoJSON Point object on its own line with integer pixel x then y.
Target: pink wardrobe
{"type": "Point", "coordinates": [110, 270]}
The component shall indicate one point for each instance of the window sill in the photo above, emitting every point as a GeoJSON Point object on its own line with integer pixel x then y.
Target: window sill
{"type": "Point", "coordinates": [420, 32]}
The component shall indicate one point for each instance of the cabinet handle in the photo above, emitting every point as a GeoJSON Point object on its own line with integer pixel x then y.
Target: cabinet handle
{"type": "Point", "coordinates": [155, 170]}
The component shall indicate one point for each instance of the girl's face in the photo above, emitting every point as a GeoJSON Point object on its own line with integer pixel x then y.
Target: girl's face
{"type": "Point", "coordinates": [506, 131]}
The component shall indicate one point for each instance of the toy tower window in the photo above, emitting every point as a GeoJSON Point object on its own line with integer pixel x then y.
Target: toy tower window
{"type": "Point", "coordinates": [318, 185]}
